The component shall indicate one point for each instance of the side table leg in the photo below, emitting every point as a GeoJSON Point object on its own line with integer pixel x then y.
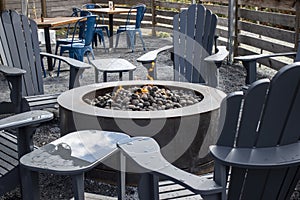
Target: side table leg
{"type": "Point", "coordinates": [96, 75]}
{"type": "Point", "coordinates": [130, 75]}
{"type": "Point", "coordinates": [30, 184]}
{"type": "Point", "coordinates": [78, 186]}
{"type": "Point", "coordinates": [121, 178]}
{"type": "Point", "coordinates": [104, 76]}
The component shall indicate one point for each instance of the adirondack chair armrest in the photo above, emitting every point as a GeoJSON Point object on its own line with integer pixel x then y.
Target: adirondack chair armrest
{"type": "Point", "coordinates": [70, 61]}
{"type": "Point", "coordinates": [218, 57]}
{"type": "Point", "coordinates": [151, 56]}
{"type": "Point", "coordinates": [249, 62]}
{"type": "Point", "coordinates": [254, 58]}
{"type": "Point", "coordinates": [76, 68]}
{"type": "Point", "coordinates": [25, 119]}
{"type": "Point", "coordinates": [134, 148]}
{"type": "Point", "coordinates": [279, 156]}
{"type": "Point", "coordinates": [11, 71]}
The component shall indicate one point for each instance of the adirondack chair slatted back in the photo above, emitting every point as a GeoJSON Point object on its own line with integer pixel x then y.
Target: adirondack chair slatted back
{"type": "Point", "coordinates": [20, 48]}
{"type": "Point", "coordinates": [193, 37]}
{"type": "Point", "coordinates": [268, 117]}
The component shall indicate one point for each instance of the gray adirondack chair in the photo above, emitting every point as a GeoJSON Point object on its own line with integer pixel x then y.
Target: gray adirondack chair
{"type": "Point", "coordinates": [257, 154]}
{"type": "Point", "coordinates": [250, 62]}
{"type": "Point", "coordinates": [13, 145]}
{"type": "Point", "coordinates": [193, 40]}
{"type": "Point", "coordinates": [19, 49]}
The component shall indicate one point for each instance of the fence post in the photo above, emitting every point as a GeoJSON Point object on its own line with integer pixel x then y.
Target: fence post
{"type": "Point", "coordinates": [24, 7]}
{"type": "Point", "coordinates": [297, 24]}
{"type": "Point", "coordinates": [231, 29]}
{"type": "Point", "coordinates": [2, 5]}
{"type": "Point", "coordinates": [44, 8]}
{"type": "Point", "coordinates": [153, 9]}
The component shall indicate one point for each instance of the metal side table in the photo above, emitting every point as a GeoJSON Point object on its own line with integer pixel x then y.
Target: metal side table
{"type": "Point", "coordinates": [73, 154]}
{"type": "Point", "coordinates": [112, 65]}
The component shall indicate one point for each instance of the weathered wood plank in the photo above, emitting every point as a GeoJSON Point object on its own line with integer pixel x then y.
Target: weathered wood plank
{"type": "Point", "coordinates": [268, 31]}
{"type": "Point", "coordinates": [263, 44]}
{"type": "Point", "coordinates": [284, 5]}
{"type": "Point", "coordinates": [268, 17]}
{"type": "Point", "coordinates": [218, 9]}
{"type": "Point", "coordinates": [270, 62]}
{"type": "Point", "coordinates": [171, 5]}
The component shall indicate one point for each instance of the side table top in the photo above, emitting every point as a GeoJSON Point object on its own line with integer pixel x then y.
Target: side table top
{"type": "Point", "coordinates": [113, 65]}
{"type": "Point", "coordinates": [73, 153]}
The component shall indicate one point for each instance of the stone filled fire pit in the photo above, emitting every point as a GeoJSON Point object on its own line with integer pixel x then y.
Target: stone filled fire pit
{"type": "Point", "coordinates": [145, 98]}
{"type": "Point", "coordinates": [184, 129]}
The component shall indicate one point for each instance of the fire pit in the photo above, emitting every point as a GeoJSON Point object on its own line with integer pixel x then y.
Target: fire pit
{"type": "Point", "coordinates": [143, 98]}
{"type": "Point", "coordinates": [184, 131]}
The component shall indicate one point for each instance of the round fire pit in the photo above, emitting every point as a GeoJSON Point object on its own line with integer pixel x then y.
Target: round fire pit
{"type": "Point", "coordinates": [183, 133]}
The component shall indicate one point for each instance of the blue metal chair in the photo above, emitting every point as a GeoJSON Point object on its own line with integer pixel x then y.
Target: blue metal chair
{"type": "Point", "coordinates": [86, 26]}
{"type": "Point", "coordinates": [98, 27]}
{"type": "Point", "coordinates": [68, 40]}
{"type": "Point", "coordinates": [132, 29]}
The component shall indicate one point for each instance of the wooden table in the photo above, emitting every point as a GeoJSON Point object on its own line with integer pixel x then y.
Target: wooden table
{"type": "Point", "coordinates": [111, 14]}
{"type": "Point", "coordinates": [49, 23]}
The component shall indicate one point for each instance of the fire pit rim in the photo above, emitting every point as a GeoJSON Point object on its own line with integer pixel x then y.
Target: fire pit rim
{"type": "Point", "coordinates": [211, 101]}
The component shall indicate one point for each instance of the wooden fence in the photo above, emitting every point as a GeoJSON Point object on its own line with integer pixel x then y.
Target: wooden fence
{"type": "Point", "coordinates": [261, 25]}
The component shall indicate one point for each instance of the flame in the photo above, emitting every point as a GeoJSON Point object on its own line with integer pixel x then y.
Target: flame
{"type": "Point", "coordinates": [151, 69]}
{"type": "Point", "coordinates": [117, 91]}
{"type": "Point", "coordinates": [145, 89]}
{"type": "Point", "coordinates": [150, 77]}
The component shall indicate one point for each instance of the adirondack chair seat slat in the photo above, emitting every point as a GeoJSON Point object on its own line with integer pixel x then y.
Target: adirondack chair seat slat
{"type": "Point", "coordinates": [40, 101]}
{"type": "Point", "coordinates": [13, 146]}
{"type": "Point", "coordinates": [10, 159]}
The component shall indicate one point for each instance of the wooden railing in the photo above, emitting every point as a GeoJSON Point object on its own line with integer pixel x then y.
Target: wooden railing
{"type": "Point", "coordinates": [262, 25]}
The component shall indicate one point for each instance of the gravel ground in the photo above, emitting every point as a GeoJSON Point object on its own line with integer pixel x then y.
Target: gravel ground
{"type": "Point", "coordinates": [59, 187]}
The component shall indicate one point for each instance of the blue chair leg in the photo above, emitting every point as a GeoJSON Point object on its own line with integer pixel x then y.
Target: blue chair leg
{"type": "Point", "coordinates": [43, 68]}
{"type": "Point", "coordinates": [59, 62]}
{"type": "Point", "coordinates": [101, 38]}
{"type": "Point", "coordinates": [141, 37]}
{"type": "Point", "coordinates": [117, 40]}
{"type": "Point", "coordinates": [56, 50]}
{"type": "Point", "coordinates": [107, 31]}
{"type": "Point", "coordinates": [62, 50]}
{"type": "Point", "coordinates": [94, 42]}
{"type": "Point", "coordinates": [131, 35]}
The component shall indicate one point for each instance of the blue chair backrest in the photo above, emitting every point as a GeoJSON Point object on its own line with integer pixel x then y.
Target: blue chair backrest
{"type": "Point", "coordinates": [86, 26]}
{"type": "Point", "coordinates": [77, 12]}
{"type": "Point", "coordinates": [89, 29]}
{"type": "Point", "coordinates": [91, 6]}
{"type": "Point", "coordinates": [140, 11]}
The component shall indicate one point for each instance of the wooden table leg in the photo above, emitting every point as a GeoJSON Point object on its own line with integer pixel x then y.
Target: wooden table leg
{"type": "Point", "coordinates": [48, 47]}
{"type": "Point", "coordinates": [111, 30]}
